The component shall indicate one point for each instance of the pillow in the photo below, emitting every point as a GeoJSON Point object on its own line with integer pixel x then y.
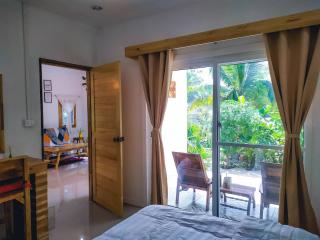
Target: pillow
{"type": "Point", "coordinates": [51, 133]}
{"type": "Point", "coordinates": [46, 140]}
{"type": "Point", "coordinates": [64, 135]}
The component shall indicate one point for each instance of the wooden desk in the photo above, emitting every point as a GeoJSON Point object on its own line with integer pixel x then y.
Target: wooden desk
{"type": "Point", "coordinates": [39, 201]}
{"type": "Point", "coordinates": [241, 191]}
{"type": "Point", "coordinates": [58, 150]}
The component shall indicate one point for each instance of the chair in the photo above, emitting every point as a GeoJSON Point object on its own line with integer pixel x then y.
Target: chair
{"type": "Point", "coordinates": [15, 185]}
{"type": "Point", "coordinates": [270, 188]}
{"type": "Point", "coordinates": [191, 174]}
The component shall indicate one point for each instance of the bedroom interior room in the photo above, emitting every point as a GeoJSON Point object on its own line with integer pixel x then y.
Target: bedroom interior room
{"type": "Point", "coordinates": [143, 119]}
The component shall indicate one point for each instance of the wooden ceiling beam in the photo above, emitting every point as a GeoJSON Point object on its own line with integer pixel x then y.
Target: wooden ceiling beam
{"type": "Point", "coordinates": [248, 29]}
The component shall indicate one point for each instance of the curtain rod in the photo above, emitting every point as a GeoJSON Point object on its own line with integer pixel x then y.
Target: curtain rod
{"type": "Point", "coordinates": [297, 20]}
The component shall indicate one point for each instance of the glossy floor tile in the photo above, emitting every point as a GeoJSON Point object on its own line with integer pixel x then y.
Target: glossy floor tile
{"type": "Point", "coordinates": [71, 214]}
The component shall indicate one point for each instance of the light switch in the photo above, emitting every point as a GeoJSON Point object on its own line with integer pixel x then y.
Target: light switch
{"type": "Point", "coordinates": [28, 123]}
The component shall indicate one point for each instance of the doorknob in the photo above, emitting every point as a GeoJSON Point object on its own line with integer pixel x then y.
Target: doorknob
{"type": "Point", "coordinates": [118, 139]}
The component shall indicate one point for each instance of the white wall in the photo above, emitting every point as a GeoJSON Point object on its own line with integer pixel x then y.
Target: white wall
{"type": "Point", "coordinates": [312, 151]}
{"type": "Point", "coordinates": [174, 127]}
{"type": "Point", "coordinates": [174, 130]}
{"type": "Point", "coordinates": [47, 36]}
{"type": "Point", "coordinates": [65, 81]}
{"type": "Point", "coordinates": [112, 40]}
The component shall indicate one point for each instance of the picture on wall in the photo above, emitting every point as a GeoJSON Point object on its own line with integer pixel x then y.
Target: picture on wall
{"type": "Point", "coordinates": [48, 97]}
{"type": "Point", "coordinates": [47, 85]}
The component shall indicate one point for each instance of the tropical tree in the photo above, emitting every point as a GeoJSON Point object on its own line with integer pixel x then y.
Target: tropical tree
{"type": "Point", "coordinates": [248, 80]}
{"type": "Point", "coordinates": [200, 100]}
{"type": "Point", "coordinates": [248, 113]}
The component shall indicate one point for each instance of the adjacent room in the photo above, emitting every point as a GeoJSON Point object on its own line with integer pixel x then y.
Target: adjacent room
{"type": "Point", "coordinates": [171, 119]}
{"type": "Point", "coordinates": [65, 115]}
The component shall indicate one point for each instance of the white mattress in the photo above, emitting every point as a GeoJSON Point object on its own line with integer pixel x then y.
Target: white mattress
{"type": "Point", "coordinates": [163, 222]}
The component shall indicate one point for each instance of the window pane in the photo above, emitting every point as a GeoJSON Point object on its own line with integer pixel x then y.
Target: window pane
{"type": "Point", "coordinates": [65, 116]}
{"type": "Point", "coordinates": [248, 109]}
{"type": "Point", "coordinates": [249, 173]}
{"type": "Point", "coordinates": [187, 128]}
{"type": "Point", "coordinates": [200, 100]}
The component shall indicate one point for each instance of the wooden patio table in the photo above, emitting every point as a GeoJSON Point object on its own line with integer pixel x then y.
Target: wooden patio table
{"type": "Point", "coordinates": [241, 191]}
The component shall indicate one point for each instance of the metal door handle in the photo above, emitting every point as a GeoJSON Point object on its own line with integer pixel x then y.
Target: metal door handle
{"type": "Point", "coordinates": [118, 139]}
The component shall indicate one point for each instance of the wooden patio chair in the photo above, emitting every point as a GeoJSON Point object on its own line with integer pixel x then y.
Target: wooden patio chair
{"type": "Point", "coordinates": [270, 188]}
{"type": "Point", "coordinates": [15, 185]}
{"type": "Point", "coordinates": [191, 174]}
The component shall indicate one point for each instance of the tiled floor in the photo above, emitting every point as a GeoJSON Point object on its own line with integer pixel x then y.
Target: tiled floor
{"type": "Point", "coordinates": [71, 214]}
{"type": "Point", "coordinates": [196, 202]}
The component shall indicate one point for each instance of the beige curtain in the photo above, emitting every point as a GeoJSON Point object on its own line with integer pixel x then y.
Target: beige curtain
{"type": "Point", "coordinates": [156, 70]}
{"type": "Point", "coordinates": [294, 61]}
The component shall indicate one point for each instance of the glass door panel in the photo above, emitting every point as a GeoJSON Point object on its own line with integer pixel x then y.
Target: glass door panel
{"type": "Point", "coordinates": [187, 128]}
{"type": "Point", "coordinates": [250, 139]}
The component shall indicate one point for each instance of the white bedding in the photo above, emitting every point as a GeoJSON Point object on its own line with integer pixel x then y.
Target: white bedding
{"type": "Point", "coordinates": [168, 223]}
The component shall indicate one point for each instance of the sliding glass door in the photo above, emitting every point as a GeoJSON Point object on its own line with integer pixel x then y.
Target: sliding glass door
{"type": "Point", "coordinates": [187, 128]}
{"type": "Point", "coordinates": [248, 141]}
{"type": "Point", "coordinates": [224, 112]}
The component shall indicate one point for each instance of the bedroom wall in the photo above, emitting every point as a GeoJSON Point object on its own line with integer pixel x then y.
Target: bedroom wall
{"type": "Point", "coordinates": [65, 81]}
{"type": "Point", "coordinates": [312, 151]}
{"type": "Point", "coordinates": [54, 37]}
{"type": "Point", "coordinates": [47, 36]}
{"type": "Point", "coordinates": [110, 45]}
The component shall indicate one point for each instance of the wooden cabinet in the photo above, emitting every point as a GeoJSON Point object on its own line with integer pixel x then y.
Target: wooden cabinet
{"type": "Point", "coordinates": [39, 203]}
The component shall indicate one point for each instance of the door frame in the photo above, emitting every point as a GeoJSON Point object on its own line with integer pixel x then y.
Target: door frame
{"type": "Point", "coordinates": [214, 62]}
{"type": "Point", "coordinates": [78, 67]}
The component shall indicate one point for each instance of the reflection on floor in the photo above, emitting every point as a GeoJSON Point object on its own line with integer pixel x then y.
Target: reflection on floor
{"type": "Point", "coordinates": [71, 214]}
{"type": "Point", "coordinates": [196, 202]}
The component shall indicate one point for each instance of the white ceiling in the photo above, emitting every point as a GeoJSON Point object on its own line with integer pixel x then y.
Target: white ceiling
{"type": "Point", "coordinates": [114, 11]}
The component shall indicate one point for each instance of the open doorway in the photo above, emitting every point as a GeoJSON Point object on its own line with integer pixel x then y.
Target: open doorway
{"type": "Point", "coordinates": [64, 115]}
{"type": "Point", "coordinates": [82, 143]}
{"type": "Point", "coordinates": [65, 139]}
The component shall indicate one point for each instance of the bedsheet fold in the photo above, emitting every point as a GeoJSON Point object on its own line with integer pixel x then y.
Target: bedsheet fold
{"type": "Point", "coordinates": [169, 223]}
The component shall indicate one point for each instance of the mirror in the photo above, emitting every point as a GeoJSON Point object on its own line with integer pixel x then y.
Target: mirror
{"type": "Point", "coordinates": [65, 117]}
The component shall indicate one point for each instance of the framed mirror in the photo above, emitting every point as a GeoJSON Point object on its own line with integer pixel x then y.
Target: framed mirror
{"type": "Point", "coordinates": [65, 117]}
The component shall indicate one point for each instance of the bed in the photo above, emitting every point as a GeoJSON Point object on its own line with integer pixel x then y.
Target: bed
{"type": "Point", "coordinates": [169, 223]}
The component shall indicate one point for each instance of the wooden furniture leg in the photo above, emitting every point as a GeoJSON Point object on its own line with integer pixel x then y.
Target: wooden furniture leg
{"type": "Point", "coordinates": [8, 219]}
{"type": "Point", "coordinates": [41, 204]}
{"type": "Point", "coordinates": [253, 202]}
{"type": "Point", "coordinates": [177, 192]}
{"type": "Point", "coordinates": [27, 202]}
{"type": "Point", "coordinates": [208, 199]}
{"type": "Point", "coordinates": [224, 198]}
{"type": "Point", "coordinates": [268, 211]}
{"type": "Point", "coordinates": [249, 206]}
{"type": "Point", "coordinates": [58, 160]}
{"type": "Point", "coordinates": [261, 207]}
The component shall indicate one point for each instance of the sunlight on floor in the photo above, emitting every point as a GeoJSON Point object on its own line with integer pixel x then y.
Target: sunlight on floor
{"type": "Point", "coordinates": [196, 202]}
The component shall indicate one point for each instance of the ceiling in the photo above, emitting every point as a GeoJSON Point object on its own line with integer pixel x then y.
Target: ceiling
{"type": "Point", "coordinates": [114, 11]}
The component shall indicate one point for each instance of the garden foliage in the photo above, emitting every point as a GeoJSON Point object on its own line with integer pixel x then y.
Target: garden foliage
{"type": "Point", "coordinates": [248, 114]}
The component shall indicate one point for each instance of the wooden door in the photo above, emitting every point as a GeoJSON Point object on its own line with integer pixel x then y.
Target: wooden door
{"type": "Point", "coordinates": [106, 138]}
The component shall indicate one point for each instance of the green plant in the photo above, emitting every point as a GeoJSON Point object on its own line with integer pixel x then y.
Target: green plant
{"type": "Point", "coordinates": [200, 100]}
{"type": "Point", "coordinates": [248, 114]}
{"type": "Point", "coordinates": [272, 156]}
{"type": "Point", "coordinates": [247, 158]}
